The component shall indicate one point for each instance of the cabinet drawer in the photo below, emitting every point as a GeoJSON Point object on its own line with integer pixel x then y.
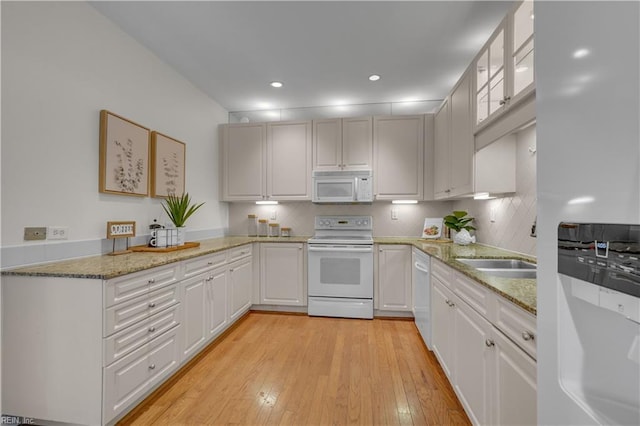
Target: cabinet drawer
{"type": "Point", "coordinates": [125, 288]}
{"type": "Point", "coordinates": [128, 379]}
{"type": "Point", "coordinates": [517, 324]}
{"type": "Point", "coordinates": [201, 264]}
{"type": "Point", "coordinates": [126, 314]}
{"type": "Point", "coordinates": [443, 272]}
{"type": "Point", "coordinates": [120, 344]}
{"type": "Point", "coordinates": [474, 294]}
{"type": "Point", "coordinates": [239, 253]}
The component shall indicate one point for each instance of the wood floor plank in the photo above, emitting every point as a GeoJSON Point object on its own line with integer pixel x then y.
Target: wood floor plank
{"type": "Point", "coordinates": [277, 369]}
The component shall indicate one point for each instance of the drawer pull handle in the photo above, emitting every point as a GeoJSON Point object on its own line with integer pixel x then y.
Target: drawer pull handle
{"type": "Point", "coordinates": [152, 329]}
{"type": "Point", "coordinates": [152, 367]}
{"type": "Point", "coordinates": [152, 280]}
{"type": "Point", "coordinates": [152, 304]}
{"type": "Point", "coordinates": [449, 303]}
{"type": "Point", "coordinates": [209, 263]}
{"type": "Point", "coordinates": [490, 343]}
{"type": "Point", "coordinates": [527, 335]}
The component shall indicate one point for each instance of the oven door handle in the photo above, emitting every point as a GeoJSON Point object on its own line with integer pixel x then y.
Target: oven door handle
{"type": "Point", "coordinates": [342, 249]}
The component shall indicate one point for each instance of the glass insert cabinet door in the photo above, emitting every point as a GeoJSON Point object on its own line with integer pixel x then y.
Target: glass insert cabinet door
{"type": "Point", "coordinates": [522, 56]}
{"type": "Point", "coordinates": [490, 77]}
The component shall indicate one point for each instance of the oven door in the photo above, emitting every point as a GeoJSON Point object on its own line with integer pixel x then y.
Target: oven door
{"type": "Point", "coordinates": [340, 270]}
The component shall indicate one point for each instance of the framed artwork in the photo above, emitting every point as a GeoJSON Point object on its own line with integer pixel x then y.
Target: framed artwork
{"type": "Point", "coordinates": [167, 165]}
{"type": "Point", "coordinates": [124, 156]}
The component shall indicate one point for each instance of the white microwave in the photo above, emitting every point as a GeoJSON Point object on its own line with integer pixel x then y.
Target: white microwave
{"type": "Point", "coordinates": [343, 186]}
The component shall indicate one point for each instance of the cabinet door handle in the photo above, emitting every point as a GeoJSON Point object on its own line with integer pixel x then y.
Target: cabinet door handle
{"type": "Point", "coordinates": [152, 329]}
{"type": "Point", "coordinates": [152, 367]}
{"type": "Point", "coordinates": [152, 280]}
{"type": "Point", "coordinates": [490, 343]}
{"type": "Point", "coordinates": [209, 263]}
{"type": "Point", "coordinates": [527, 335]}
{"type": "Point", "coordinates": [505, 100]}
{"type": "Point", "coordinates": [152, 304]}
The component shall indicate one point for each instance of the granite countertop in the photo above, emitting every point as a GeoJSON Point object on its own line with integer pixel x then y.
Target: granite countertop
{"type": "Point", "coordinates": [520, 291]}
{"type": "Point", "coordinates": [106, 267]}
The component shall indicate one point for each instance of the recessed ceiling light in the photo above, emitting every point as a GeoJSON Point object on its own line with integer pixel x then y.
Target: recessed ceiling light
{"type": "Point", "coordinates": [374, 77]}
{"type": "Point", "coordinates": [581, 53]}
{"type": "Point", "coordinates": [276, 84]}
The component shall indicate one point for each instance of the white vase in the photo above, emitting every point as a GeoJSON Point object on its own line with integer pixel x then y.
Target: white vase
{"type": "Point", "coordinates": [463, 238]}
{"type": "Point", "coordinates": [182, 235]}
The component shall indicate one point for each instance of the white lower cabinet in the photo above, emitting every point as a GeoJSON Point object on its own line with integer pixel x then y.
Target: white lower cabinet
{"type": "Point", "coordinates": [240, 285]}
{"type": "Point", "coordinates": [394, 278]}
{"type": "Point", "coordinates": [194, 301]}
{"type": "Point", "coordinates": [130, 378]}
{"type": "Point", "coordinates": [494, 378]}
{"type": "Point", "coordinates": [217, 310]}
{"type": "Point", "coordinates": [282, 277]}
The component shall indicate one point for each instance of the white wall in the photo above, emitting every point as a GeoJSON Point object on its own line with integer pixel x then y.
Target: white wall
{"type": "Point", "coordinates": [62, 62]}
{"type": "Point", "coordinates": [513, 215]}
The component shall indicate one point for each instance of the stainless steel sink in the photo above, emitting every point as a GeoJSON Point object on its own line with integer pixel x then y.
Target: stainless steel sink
{"type": "Point", "coordinates": [510, 273]}
{"type": "Point", "coordinates": [498, 263]}
{"type": "Point", "coordinates": [506, 268]}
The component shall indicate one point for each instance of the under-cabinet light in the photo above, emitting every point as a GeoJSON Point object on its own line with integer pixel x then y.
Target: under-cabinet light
{"type": "Point", "coordinates": [404, 202]}
{"type": "Point", "coordinates": [482, 196]}
{"type": "Point", "coordinates": [266, 203]}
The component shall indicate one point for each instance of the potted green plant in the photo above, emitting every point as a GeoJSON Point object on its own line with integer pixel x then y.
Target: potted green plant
{"type": "Point", "coordinates": [179, 208]}
{"type": "Point", "coordinates": [461, 223]}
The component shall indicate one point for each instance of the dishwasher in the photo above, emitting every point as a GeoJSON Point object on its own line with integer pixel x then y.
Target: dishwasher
{"type": "Point", "coordinates": [422, 294]}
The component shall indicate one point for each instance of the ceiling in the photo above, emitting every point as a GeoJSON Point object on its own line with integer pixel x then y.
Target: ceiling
{"type": "Point", "coordinates": [323, 51]}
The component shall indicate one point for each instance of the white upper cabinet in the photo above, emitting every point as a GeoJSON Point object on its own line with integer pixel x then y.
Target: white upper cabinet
{"type": "Point", "coordinates": [289, 160]}
{"type": "Point", "coordinates": [266, 161]}
{"type": "Point", "coordinates": [504, 68]}
{"type": "Point", "coordinates": [343, 144]}
{"type": "Point", "coordinates": [398, 155]}
{"type": "Point", "coordinates": [243, 148]}
{"type": "Point", "coordinates": [454, 144]}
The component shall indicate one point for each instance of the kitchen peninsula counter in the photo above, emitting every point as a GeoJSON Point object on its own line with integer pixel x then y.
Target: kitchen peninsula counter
{"type": "Point", "coordinates": [521, 291]}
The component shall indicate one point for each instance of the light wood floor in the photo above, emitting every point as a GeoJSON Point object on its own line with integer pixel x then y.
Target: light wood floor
{"type": "Point", "coordinates": [277, 369]}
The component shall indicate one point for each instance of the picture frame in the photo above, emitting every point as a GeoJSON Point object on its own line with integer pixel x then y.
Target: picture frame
{"type": "Point", "coordinates": [432, 228]}
{"type": "Point", "coordinates": [168, 159]}
{"type": "Point", "coordinates": [124, 156]}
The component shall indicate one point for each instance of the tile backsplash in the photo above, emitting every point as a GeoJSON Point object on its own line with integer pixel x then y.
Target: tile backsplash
{"type": "Point", "coordinates": [300, 215]}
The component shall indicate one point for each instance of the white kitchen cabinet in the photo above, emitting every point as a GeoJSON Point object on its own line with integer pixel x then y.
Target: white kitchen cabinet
{"type": "Point", "coordinates": [398, 157]}
{"type": "Point", "coordinates": [289, 147]}
{"type": "Point", "coordinates": [130, 378]}
{"type": "Point", "coordinates": [494, 378]}
{"type": "Point", "coordinates": [243, 161]}
{"type": "Point", "coordinates": [504, 68]}
{"type": "Point", "coordinates": [441, 152]}
{"type": "Point", "coordinates": [217, 310]}
{"type": "Point", "coordinates": [442, 320]}
{"type": "Point", "coordinates": [195, 311]}
{"type": "Point", "coordinates": [343, 143]}
{"type": "Point", "coordinates": [454, 143]}
{"type": "Point", "coordinates": [515, 388]}
{"type": "Point", "coordinates": [266, 161]}
{"type": "Point", "coordinates": [394, 278]}
{"type": "Point", "coordinates": [240, 286]}
{"type": "Point", "coordinates": [282, 275]}
{"type": "Point", "coordinates": [473, 361]}
{"type": "Point", "coordinates": [461, 172]}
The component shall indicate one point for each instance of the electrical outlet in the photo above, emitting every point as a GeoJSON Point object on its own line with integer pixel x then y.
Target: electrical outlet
{"type": "Point", "coordinates": [57, 232]}
{"type": "Point", "coordinates": [492, 215]}
{"type": "Point", "coordinates": [35, 233]}
{"type": "Point", "coordinates": [274, 215]}
{"type": "Point", "coordinates": [394, 213]}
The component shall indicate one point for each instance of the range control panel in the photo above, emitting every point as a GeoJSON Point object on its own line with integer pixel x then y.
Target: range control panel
{"type": "Point", "coordinates": [344, 222]}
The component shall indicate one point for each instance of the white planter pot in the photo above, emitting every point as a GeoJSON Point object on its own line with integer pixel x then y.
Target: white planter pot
{"type": "Point", "coordinates": [464, 238]}
{"type": "Point", "coordinates": [182, 235]}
